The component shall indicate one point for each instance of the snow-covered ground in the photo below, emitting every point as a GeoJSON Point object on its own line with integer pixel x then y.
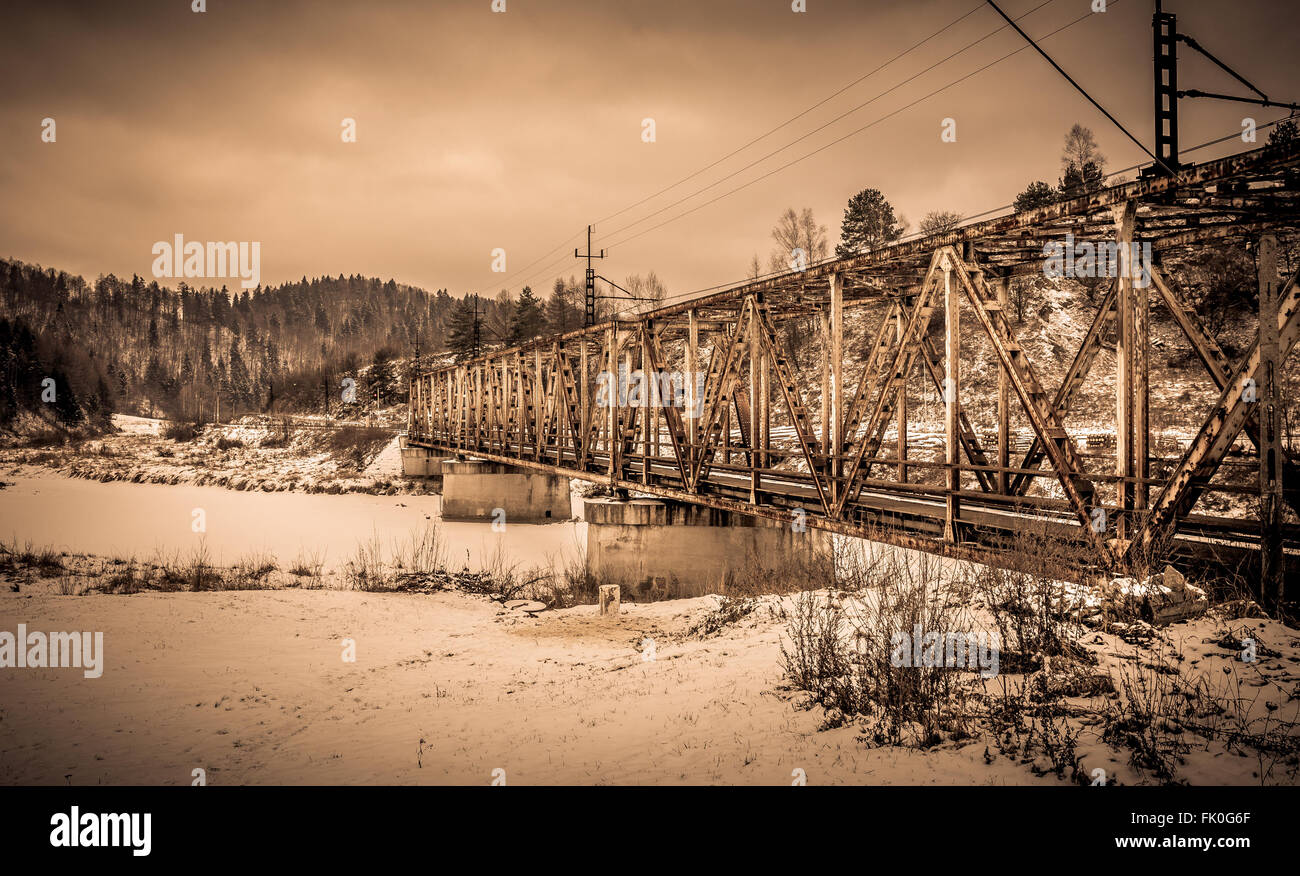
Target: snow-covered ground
{"type": "Point", "coordinates": [446, 688]}
{"type": "Point", "coordinates": [387, 464]}
{"type": "Point", "coordinates": [252, 685]}
{"type": "Point", "coordinates": [253, 453]}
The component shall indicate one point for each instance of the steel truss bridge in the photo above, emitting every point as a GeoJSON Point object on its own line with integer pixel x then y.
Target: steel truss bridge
{"type": "Point", "coordinates": [793, 417]}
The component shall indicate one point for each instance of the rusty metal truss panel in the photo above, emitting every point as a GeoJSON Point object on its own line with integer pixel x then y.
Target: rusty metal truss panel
{"type": "Point", "coordinates": [774, 427]}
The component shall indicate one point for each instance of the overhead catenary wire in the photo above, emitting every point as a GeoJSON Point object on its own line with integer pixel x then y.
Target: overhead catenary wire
{"type": "Point", "coordinates": [1113, 175]}
{"type": "Point", "coordinates": [976, 8]}
{"type": "Point", "coordinates": [517, 274]}
{"type": "Point", "coordinates": [1079, 88]}
{"type": "Point", "coordinates": [850, 134]}
{"type": "Point", "coordinates": [838, 118]}
{"type": "Point", "coordinates": [564, 244]}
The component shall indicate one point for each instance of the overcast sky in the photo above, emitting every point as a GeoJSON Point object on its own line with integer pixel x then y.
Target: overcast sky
{"type": "Point", "coordinates": [478, 130]}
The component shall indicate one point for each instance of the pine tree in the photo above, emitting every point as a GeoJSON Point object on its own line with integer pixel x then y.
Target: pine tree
{"type": "Point", "coordinates": [187, 369]}
{"type": "Point", "coordinates": [465, 334]}
{"type": "Point", "coordinates": [528, 320]}
{"type": "Point", "coordinates": [65, 399]}
{"type": "Point", "coordinates": [1036, 194]}
{"type": "Point", "coordinates": [562, 314]}
{"type": "Point", "coordinates": [1081, 180]}
{"type": "Point", "coordinates": [869, 222]}
{"type": "Point", "coordinates": [241, 387]}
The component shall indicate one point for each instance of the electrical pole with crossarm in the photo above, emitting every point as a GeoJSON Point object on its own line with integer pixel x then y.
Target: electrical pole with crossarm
{"type": "Point", "coordinates": [589, 313]}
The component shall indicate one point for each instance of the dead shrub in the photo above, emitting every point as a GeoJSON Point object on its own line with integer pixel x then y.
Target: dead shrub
{"type": "Point", "coordinates": [855, 650]}
{"type": "Point", "coordinates": [728, 611]}
{"type": "Point", "coordinates": [252, 572]}
{"type": "Point", "coordinates": [182, 431]}
{"type": "Point", "coordinates": [365, 570]}
{"type": "Point", "coordinates": [44, 560]}
{"type": "Point", "coordinates": [354, 445]}
{"type": "Point", "coordinates": [816, 657]}
{"type": "Point", "coordinates": [195, 572]}
{"type": "Point", "coordinates": [1033, 598]}
{"type": "Point", "coordinates": [1148, 718]}
{"type": "Point", "coordinates": [122, 579]}
{"type": "Point", "coordinates": [308, 564]}
{"type": "Point", "coordinates": [922, 703]}
{"type": "Point", "coordinates": [281, 435]}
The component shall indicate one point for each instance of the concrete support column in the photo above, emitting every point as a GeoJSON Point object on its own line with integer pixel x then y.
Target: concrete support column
{"type": "Point", "coordinates": [676, 548]}
{"type": "Point", "coordinates": [474, 489]}
{"type": "Point", "coordinates": [421, 462]}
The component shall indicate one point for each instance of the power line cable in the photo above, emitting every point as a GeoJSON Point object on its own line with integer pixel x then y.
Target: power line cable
{"type": "Point", "coordinates": [797, 116]}
{"type": "Point", "coordinates": [562, 245]}
{"type": "Point", "coordinates": [820, 128]}
{"type": "Point", "coordinates": [964, 219]}
{"type": "Point", "coordinates": [826, 125]}
{"type": "Point", "coordinates": [850, 134]}
{"type": "Point", "coordinates": [878, 68]}
{"type": "Point", "coordinates": [1080, 88]}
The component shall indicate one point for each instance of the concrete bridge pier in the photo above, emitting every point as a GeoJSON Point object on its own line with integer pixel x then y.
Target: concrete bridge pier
{"type": "Point", "coordinates": [422, 462]}
{"type": "Point", "coordinates": [419, 462]}
{"type": "Point", "coordinates": [678, 548]}
{"type": "Point", "coordinates": [476, 489]}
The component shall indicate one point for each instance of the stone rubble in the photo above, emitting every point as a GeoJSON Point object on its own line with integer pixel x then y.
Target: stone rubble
{"type": "Point", "coordinates": [1161, 599]}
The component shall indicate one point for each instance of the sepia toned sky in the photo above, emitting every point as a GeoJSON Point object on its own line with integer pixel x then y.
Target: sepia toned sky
{"type": "Point", "coordinates": [478, 130]}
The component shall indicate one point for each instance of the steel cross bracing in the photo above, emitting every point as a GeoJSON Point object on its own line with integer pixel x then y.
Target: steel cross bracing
{"type": "Point", "coordinates": [757, 400]}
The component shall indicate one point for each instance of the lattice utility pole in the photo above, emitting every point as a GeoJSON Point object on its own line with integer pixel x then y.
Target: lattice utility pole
{"type": "Point", "coordinates": [1164, 31]}
{"type": "Point", "coordinates": [1165, 40]}
{"type": "Point", "coordinates": [589, 312]}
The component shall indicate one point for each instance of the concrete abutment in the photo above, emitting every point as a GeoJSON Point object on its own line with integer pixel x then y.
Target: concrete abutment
{"type": "Point", "coordinates": [477, 489]}
{"type": "Point", "coordinates": [680, 548]}
{"type": "Point", "coordinates": [422, 462]}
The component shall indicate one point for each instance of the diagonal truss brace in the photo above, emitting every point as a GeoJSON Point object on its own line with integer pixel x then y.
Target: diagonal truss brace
{"type": "Point", "coordinates": [900, 364]}
{"type": "Point", "coordinates": [724, 372]}
{"type": "Point", "coordinates": [1079, 369]}
{"type": "Point", "coordinates": [1044, 418]}
{"type": "Point", "coordinates": [1234, 407]}
{"type": "Point", "coordinates": [970, 442]}
{"type": "Point", "coordinates": [1043, 415]}
{"type": "Point", "coordinates": [1220, 371]}
{"type": "Point", "coordinates": [794, 403]}
{"type": "Point", "coordinates": [673, 416]}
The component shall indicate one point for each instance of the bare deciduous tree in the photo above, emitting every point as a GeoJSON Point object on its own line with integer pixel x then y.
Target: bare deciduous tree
{"type": "Point", "coordinates": [1081, 149]}
{"type": "Point", "coordinates": [939, 221]}
{"type": "Point", "coordinates": [797, 231]}
{"type": "Point", "coordinates": [648, 290]}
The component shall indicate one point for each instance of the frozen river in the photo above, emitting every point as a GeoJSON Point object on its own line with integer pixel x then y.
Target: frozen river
{"type": "Point", "coordinates": [122, 519]}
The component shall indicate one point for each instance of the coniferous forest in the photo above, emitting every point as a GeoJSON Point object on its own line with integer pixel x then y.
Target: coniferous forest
{"type": "Point", "coordinates": [137, 347]}
{"type": "Point", "coordinates": [76, 351]}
